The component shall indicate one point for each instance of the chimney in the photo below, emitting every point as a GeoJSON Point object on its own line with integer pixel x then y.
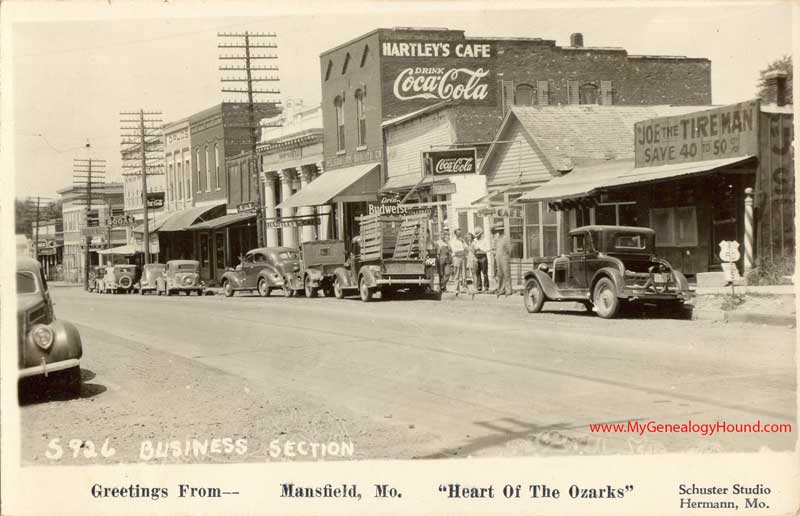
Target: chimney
{"type": "Point", "coordinates": [576, 40]}
{"type": "Point", "coordinates": [775, 81]}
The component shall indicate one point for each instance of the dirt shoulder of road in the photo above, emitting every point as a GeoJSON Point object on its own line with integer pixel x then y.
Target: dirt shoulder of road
{"type": "Point", "coordinates": [155, 407]}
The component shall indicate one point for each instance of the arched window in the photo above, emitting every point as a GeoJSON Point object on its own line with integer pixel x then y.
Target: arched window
{"type": "Point", "coordinates": [339, 103]}
{"type": "Point", "coordinates": [588, 94]}
{"type": "Point", "coordinates": [346, 63]}
{"type": "Point", "coordinates": [361, 117]}
{"type": "Point", "coordinates": [208, 171]}
{"type": "Point", "coordinates": [523, 96]}
{"type": "Point", "coordinates": [364, 56]}
{"type": "Point", "coordinates": [216, 166]}
{"type": "Point", "coordinates": [328, 70]}
{"type": "Point", "coordinates": [197, 168]}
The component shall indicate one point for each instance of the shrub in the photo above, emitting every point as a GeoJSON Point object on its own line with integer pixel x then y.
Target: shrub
{"type": "Point", "coordinates": [772, 271]}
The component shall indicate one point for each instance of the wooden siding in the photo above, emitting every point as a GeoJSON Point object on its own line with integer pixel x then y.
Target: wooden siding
{"type": "Point", "coordinates": [512, 158]}
{"type": "Point", "coordinates": [405, 142]}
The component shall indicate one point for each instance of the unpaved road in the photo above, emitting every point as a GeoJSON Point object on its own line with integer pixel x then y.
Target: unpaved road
{"type": "Point", "coordinates": [402, 379]}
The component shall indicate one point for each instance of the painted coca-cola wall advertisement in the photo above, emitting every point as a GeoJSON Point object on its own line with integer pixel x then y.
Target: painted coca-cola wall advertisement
{"type": "Point", "coordinates": [450, 162]}
{"type": "Point", "coordinates": [417, 73]}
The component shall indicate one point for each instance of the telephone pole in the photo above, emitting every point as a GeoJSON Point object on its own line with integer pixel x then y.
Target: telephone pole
{"type": "Point", "coordinates": [246, 42]}
{"type": "Point", "coordinates": [88, 176]}
{"type": "Point", "coordinates": [35, 203]}
{"type": "Point", "coordinates": [142, 150]}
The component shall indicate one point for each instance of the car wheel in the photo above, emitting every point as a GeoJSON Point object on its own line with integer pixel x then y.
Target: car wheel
{"type": "Point", "coordinates": [227, 289]}
{"type": "Point", "coordinates": [338, 292]}
{"type": "Point", "coordinates": [310, 291]}
{"type": "Point", "coordinates": [534, 297]}
{"type": "Point", "coordinates": [606, 302]}
{"type": "Point", "coordinates": [364, 290]}
{"type": "Point", "coordinates": [263, 289]}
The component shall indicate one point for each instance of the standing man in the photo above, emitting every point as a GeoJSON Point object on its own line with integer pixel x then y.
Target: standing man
{"type": "Point", "coordinates": [458, 250]}
{"type": "Point", "coordinates": [482, 249]}
{"type": "Point", "coordinates": [502, 257]}
{"type": "Point", "coordinates": [443, 259]}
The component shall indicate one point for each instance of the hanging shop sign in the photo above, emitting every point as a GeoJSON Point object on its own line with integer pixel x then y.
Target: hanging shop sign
{"type": "Point", "coordinates": [443, 188]}
{"type": "Point", "coordinates": [155, 200]}
{"type": "Point", "coordinates": [138, 239]}
{"type": "Point", "coordinates": [450, 162]}
{"type": "Point", "coordinates": [724, 132]}
{"type": "Point", "coordinates": [292, 222]}
{"type": "Point", "coordinates": [94, 231]}
{"type": "Point", "coordinates": [246, 207]}
{"type": "Point", "coordinates": [501, 211]}
{"type": "Point", "coordinates": [439, 70]}
{"type": "Point", "coordinates": [120, 221]}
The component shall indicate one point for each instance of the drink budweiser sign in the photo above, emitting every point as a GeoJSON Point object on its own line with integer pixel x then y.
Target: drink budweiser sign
{"type": "Point", "coordinates": [450, 162]}
{"type": "Point", "coordinates": [442, 84]}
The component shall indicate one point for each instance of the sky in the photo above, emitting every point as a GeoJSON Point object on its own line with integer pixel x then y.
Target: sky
{"type": "Point", "coordinates": [71, 78]}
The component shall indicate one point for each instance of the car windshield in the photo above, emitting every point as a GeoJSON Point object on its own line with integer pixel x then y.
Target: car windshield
{"type": "Point", "coordinates": [187, 267]}
{"type": "Point", "coordinates": [26, 283]}
{"type": "Point", "coordinates": [157, 268]}
{"type": "Point", "coordinates": [287, 255]}
{"type": "Point", "coordinates": [630, 242]}
{"type": "Point", "coordinates": [126, 269]}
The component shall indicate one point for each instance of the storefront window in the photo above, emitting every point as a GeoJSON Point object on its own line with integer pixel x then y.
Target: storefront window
{"type": "Point", "coordinates": [219, 242]}
{"type": "Point", "coordinates": [541, 230]}
{"type": "Point", "coordinates": [674, 227]}
{"type": "Point", "coordinates": [203, 250]}
{"type": "Point", "coordinates": [617, 214]}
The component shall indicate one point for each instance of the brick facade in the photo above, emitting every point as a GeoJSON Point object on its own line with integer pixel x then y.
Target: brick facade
{"type": "Point", "coordinates": [499, 72]}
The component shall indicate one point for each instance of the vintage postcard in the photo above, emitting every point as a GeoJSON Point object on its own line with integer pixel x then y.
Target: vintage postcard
{"type": "Point", "coordinates": [398, 258]}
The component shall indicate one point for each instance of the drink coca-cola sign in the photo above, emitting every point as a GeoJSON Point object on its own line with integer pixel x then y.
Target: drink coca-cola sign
{"type": "Point", "coordinates": [450, 162]}
{"type": "Point", "coordinates": [442, 84]}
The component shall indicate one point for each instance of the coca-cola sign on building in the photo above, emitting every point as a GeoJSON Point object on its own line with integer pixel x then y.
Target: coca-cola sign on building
{"type": "Point", "coordinates": [450, 162]}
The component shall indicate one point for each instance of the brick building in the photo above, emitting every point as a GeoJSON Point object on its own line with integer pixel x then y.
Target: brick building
{"type": "Point", "coordinates": [388, 73]}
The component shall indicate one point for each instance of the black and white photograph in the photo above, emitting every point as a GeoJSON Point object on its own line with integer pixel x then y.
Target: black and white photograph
{"type": "Point", "coordinates": [398, 258]}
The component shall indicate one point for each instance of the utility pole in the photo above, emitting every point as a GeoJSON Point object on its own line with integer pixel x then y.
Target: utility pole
{"type": "Point", "coordinates": [142, 150]}
{"type": "Point", "coordinates": [88, 175]}
{"type": "Point", "coordinates": [247, 41]}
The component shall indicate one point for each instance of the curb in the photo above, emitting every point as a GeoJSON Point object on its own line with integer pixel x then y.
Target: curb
{"type": "Point", "coordinates": [746, 317]}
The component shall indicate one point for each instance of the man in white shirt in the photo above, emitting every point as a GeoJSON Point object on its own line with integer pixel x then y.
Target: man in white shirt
{"type": "Point", "coordinates": [458, 248]}
{"type": "Point", "coordinates": [482, 249]}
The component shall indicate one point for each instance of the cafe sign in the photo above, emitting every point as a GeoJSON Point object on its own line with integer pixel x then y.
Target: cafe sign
{"type": "Point", "coordinates": [724, 132]}
{"type": "Point", "coordinates": [450, 162]}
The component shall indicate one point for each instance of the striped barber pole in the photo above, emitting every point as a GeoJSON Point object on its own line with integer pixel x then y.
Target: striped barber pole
{"type": "Point", "coordinates": [748, 229]}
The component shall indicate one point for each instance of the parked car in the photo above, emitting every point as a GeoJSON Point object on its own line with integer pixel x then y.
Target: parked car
{"type": "Point", "coordinates": [150, 273]}
{"type": "Point", "coordinates": [47, 347]}
{"type": "Point", "coordinates": [263, 270]}
{"type": "Point", "coordinates": [606, 267]}
{"type": "Point", "coordinates": [118, 279]}
{"type": "Point", "coordinates": [96, 275]}
{"type": "Point", "coordinates": [181, 276]}
{"type": "Point", "coordinates": [320, 260]}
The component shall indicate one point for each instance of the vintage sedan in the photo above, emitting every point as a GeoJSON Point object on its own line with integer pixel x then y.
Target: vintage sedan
{"type": "Point", "coordinates": [265, 269]}
{"type": "Point", "coordinates": [606, 267]}
{"type": "Point", "coordinates": [47, 347]}
{"type": "Point", "coordinates": [181, 276]}
{"type": "Point", "coordinates": [118, 279]}
{"type": "Point", "coordinates": [150, 274]}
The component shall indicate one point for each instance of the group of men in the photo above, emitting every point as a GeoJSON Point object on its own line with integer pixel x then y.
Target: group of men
{"type": "Point", "coordinates": [455, 255]}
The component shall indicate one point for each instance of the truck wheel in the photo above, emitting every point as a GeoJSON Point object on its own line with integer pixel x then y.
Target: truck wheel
{"type": "Point", "coordinates": [605, 299]}
{"type": "Point", "coordinates": [534, 297]}
{"type": "Point", "coordinates": [310, 291]}
{"type": "Point", "coordinates": [338, 293]}
{"type": "Point", "coordinates": [364, 290]}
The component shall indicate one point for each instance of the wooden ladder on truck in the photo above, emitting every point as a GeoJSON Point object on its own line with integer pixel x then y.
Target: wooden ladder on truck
{"type": "Point", "coordinates": [410, 237]}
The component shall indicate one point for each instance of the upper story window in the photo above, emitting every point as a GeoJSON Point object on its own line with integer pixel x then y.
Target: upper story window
{"type": "Point", "coordinates": [208, 171]}
{"type": "Point", "coordinates": [543, 93]}
{"type": "Point", "coordinates": [589, 94]}
{"type": "Point", "coordinates": [346, 63]}
{"type": "Point", "coordinates": [328, 70]}
{"type": "Point", "coordinates": [362, 118]}
{"type": "Point", "coordinates": [364, 56]}
{"type": "Point", "coordinates": [339, 103]}
{"type": "Point", "coordinates": [197, 167]}
{"type": "Point", "coordinates": [524, 95]}
{"type": "Point", "coordinates": [216, 166]}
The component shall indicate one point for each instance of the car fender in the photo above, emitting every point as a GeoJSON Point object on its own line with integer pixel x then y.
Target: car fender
{"type": "Point", "coordinates": [66, 345]}
{"type": "Point", "coordinates": [680, 280]}
{"type": "Point", "coordinates": [546, 282]}
{"type": "Point", "coordinates": [369, 273]}
{"type": "Point", "coordinates": [614, 275]}
{"type": "Point", "coordinates": [235, 278]}
{"type": "Point", "coordinates": [343, 274]}
{"type": "Point", "coordinates": [268, 273]}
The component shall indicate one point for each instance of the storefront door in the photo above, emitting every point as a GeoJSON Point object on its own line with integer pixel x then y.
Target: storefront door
{"type": "Point", "coordinates": [724, 210]}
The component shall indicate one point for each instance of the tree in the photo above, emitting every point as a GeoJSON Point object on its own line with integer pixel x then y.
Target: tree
{"type": "Point", "coordinates": [25, 214]}
{"type": "Point", "coordinates": [784, 64]}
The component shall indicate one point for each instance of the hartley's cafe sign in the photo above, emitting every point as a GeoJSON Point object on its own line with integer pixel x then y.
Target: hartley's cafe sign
{"type": "Point", "coordinates": [453, 70]}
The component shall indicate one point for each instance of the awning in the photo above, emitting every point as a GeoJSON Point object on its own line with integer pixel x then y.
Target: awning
{"type": "Point", "coordinates": [123, 250]}
{"type": "Point", "coordinates": [343, 181]}
{"type": "Point", "coordinates": [179, 220]}
{"type": "Point", "coordinates": [585, 181]}
{"type": "Point", "coordinates": [225, 220]}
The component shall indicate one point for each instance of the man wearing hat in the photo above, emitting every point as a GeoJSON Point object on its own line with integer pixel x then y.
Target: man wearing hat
{"type": "Point", "coordinates": [482, 249]}
{"type": "Point", "coordinates": [502, 257]}
{"type": "Point", "coordinates": [443, 256]}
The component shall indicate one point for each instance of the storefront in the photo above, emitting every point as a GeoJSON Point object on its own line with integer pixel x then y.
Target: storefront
{"type": "Point", "coordinates": [223, 241]}
{"type": "Point", "coordinates": [693, 180]}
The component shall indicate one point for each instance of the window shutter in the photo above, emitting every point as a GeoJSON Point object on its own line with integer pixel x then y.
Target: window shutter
{"type": "Point", "coordinates": [542, 93]}
{"type": "Point", "coordinates": [606, 93]}
{"type": "Point", "coordinates": [573, 92]}
{"type": "Point", "coordinates": [507, 89]}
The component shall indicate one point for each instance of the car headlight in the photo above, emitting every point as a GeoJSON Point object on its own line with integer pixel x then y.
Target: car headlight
{"type": "Point", "coordinates": [42, 336]}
